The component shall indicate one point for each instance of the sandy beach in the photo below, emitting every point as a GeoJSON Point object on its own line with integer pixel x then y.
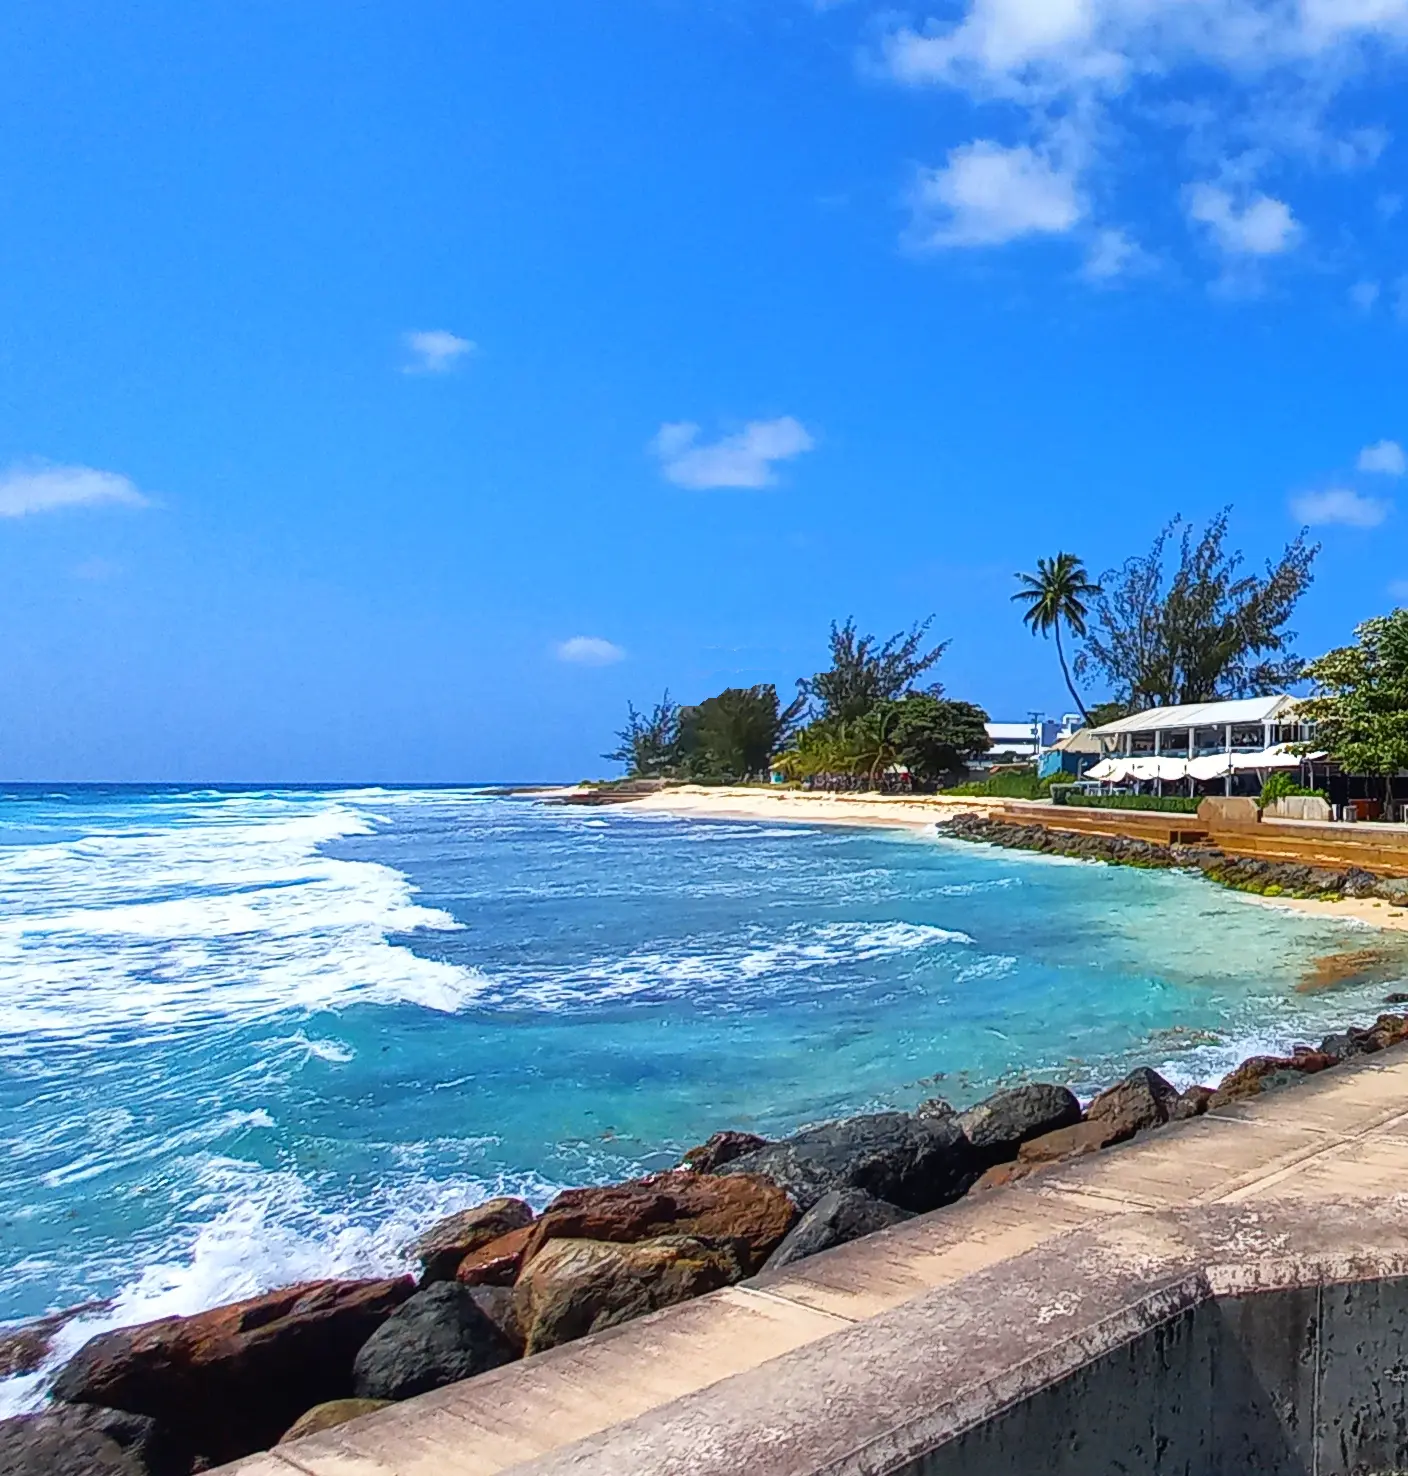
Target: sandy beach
{"type": "Point", "coordinates": [909, 812]}
{"type": "Point", "coordinates": [1370, 911]}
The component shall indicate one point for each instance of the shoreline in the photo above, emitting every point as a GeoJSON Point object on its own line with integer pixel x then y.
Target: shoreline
{"type": "Point", "coordinates": [921, 813]}
{"type": "Point", "coordinates": [862, 811]}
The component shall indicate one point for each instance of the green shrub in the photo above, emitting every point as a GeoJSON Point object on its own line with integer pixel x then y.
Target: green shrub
{"type": "Point", "coordinates": [1020, 784]}
{"type": "Point", "coordinates": [1172, 804]}
{"type": "Point", "coordinates": [1281, 786]}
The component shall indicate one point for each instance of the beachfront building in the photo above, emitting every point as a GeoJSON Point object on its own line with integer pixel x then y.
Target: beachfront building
{"type": "Point", "coordinates": [1207, 747]}
{"type": "Point", "coordinates": [1024, 743]}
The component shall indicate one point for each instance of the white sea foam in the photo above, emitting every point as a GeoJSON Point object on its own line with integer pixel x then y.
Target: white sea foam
{"type": "Point", "coordinates": [713, 964]}
{"type": "Point", "coordinates": [232, 915]}
{"type": "Point", "coordinates": [266, 1229]}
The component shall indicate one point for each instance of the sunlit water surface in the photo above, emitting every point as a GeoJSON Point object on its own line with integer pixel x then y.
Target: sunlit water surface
{"type": "Point", "coordinates": [252, 1037]}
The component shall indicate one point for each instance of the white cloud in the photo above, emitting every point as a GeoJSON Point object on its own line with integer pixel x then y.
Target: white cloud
{"type": "Point", "coordinates": [1385, 457]}
{"type": "Point", "coordinates": [1339, 505]}
{"type": "Point", "coordinates": [590, 651]}
{"type": "Point", "coordinates": [37, 487]}
{"type": "Point", "coordinates": [1114, 254]}
{"type": "Point", "coordinates": [743, 460]}
{"type": "Point", "coordinates": [1364, 295]}
{"type": "Point", "coordinates": [1260, 227]}
{"type": "Point", "coordinates": [986, 195]}
{"type": "Point", "coordinates": [435, 351]}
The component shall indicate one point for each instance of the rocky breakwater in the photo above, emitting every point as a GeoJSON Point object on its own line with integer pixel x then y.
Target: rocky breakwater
{"type": "Point", "coordinates": [1266, 878]}
{"type": "Point", "coordinates": [498, 1282]}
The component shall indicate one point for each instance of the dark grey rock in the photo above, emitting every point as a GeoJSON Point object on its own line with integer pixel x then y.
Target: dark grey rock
{"type": "Point", "coordinates": [1191, 1103]}
{"type": "Point", "coordinates": [1394, 889]}
{"type": "Point", "coordinates": [837, 1217]}
{"type": "Point", "coordinates": [998, 1126]}
{"type": "Point", "coordinates": [914, 1162]}
{"type": "Point", "coordinates": [86, 1440]}
{"type": "Point", "coordinates": [1360, 883]}
{"type": "Point", "coordinates": [439, 1336]}
{"type": "Point", "coordinates": [935, 1108]}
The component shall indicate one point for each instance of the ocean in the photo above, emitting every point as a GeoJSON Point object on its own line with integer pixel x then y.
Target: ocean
{"type": "Point", "coordinates": [249, 1037]}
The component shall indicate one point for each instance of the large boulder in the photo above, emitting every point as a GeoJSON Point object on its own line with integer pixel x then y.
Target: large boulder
{"type": "Point", "coordinates": [574, 1287]}
{"type": "Point", "coordinates": [913, 1162]}
{"type": "Point", "coordinates": [750, 1211]}
{"type": "Point", "coordinates": [1068, 1142]}
{"type": "Point", "coordinates": [1259, 1073]}
{"type": "Point", "coordinates": [838, 1216]}
{"type": "Point", "coordinates": [722, 1148]}
{"type": "Point", "coordinates": [438, 1337]}
{"type": "Point", "coordinates": [497, 1263]}
{"type": "Point", "coordinates": [1142, 1100]}
{"type": "Point", "coordinates": [85, 1440]}
{"type": "Point", "coordinates": [330, 1415]}
{"type": "Point", "coordinates": [445, 1245]}
{"type": "Point", "coordinates": [999, 1125]}
{"type": "Point", "coordinates": [230, 1381]}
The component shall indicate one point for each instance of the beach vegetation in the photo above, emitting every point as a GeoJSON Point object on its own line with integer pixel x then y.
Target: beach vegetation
{"type": "Point", "coordinates": [865, 672]}
{"type": "Point", "coordinates": [1185, 623]}
{"type": "Point", "coordinates": [733, 736]}
{"type": "Point", "coordinates": [1169, 804]}
{"type": "Point", "coordinates": [649, 743]}
{"type": "Point", "coordinates": [1280, 785]}
{"type": "Point", "coordinates": [1057, 595]}
{"type": "Point", "coordinates": [1359, 703]}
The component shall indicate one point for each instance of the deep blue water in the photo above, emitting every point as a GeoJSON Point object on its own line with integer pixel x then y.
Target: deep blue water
{"type": "Point", "coordinates": [249, 1036]}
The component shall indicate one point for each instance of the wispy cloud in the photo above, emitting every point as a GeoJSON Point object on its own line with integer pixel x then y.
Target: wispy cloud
{"type": "Point", "coordinates": [435, 351]}
{"type": "Point", "coordinates": [743, 460]}
{"type": "Point", "coordinates": [39, 487]}
{"type": "Point", "coordinates": [590, 651]}
{"type": "Point", "coordinates": [987, 195]}
{"type": "Point", "coordinates": [1339, 505]}
{"type": "Point", "coordinates": [1385, 458]}
{"type": "Point", "coordinates": [1259, 226]}
{"type": "Point", "coordinates": [1077, 79]}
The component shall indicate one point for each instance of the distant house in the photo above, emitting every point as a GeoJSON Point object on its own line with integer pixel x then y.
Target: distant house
{"type": "Point", "coordinates": [1024, 743]}
{"type": "Point", "coordinates": [1072, 754]}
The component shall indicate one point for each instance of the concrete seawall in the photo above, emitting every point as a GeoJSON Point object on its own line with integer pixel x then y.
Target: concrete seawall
{"type": "Point", "coordinates": [917, 1348]}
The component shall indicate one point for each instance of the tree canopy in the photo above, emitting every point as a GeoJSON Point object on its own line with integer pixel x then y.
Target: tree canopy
{"type": "Point", "coordinates": [1360, 699]}
{"type": "Point", "coordinates": [865, 672]}
{"type": "Point", "coordinates": [1182, 623]}
{"type": "Point", "coordinates": [1056, 595]}
{"type": "Point", "coordinates": [731, 736]}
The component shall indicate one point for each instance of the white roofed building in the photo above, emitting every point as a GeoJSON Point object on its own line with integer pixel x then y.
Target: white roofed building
{"type": "Point", "coordinates": [1204, 742]}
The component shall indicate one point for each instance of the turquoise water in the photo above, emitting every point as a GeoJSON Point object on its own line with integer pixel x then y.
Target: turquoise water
{"type": "Point", "coordinates": [247, 1037]}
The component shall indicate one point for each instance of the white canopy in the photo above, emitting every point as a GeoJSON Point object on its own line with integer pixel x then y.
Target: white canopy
{"type": "Point", "coordinates": [1204, 770]}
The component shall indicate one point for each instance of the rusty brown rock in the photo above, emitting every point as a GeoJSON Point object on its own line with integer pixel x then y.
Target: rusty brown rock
{"type": "Point", "coordinates": [1258, 1073]}
{"type": "Point", "coordinates": [445, 1245]}
{"type": "Point", "coordinates": [750, 1211]}
{"type": "Point", "coordinates": [1068, 1142]}
{"type": "Point", "coordinates": [1191, 1103]}
{"type": "Point", "coordinates": [1002, 1174]}
{"type": "Point", "coordinates": [1388, 1030]}
{"type": "Point", "coordinates": [1142, 1100]}
{"type": "Point", "coordinates": [495, 1264]}
{"type": "Point", "coordinates": [722, 1148]}
{"type": "Point", "coordinates": [574, 1287]}
{"type": "Point", "coordinates": [230, 1381]}
{"type": "Point", "coordinates": [24, 1348]}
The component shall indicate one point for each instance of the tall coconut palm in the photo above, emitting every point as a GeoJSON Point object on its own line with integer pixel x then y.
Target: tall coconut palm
{"type": "Point", "coordinates": [1054, 596]}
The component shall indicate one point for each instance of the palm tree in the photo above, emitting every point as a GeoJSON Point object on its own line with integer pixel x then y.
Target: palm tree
{"type": "Point", "coordinates": [1056, 595]}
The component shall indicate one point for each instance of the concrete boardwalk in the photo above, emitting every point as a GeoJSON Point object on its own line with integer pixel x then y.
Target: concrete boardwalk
{"type": "Point", "coordinates": [1341, 1136]}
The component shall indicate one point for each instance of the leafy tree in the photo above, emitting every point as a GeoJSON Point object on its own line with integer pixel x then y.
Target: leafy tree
{"type": "Point", "coordinates": [1202, 631]}
{"type": "Point", "coordinates": [864, 672]}
{"type": "Point", "coordinates": [648, 744]}
{"type": "Point", "coordinates": [936, 736]}
{"type": "Point", "coordinates": [1054, 596]}
{"type": "Point", "coordinates": [735, 735]}
{"type": "Point", "coordinates": [1106, 712]}
{"type": "Point", "coordinates": [1360, 702]}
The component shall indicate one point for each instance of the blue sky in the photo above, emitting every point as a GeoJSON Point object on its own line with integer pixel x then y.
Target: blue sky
{"type": "Point", "coordinates": [391, 392]}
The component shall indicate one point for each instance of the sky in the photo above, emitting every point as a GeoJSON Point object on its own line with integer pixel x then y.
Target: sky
{"type": "Point", "coordinates": [395, 392]}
